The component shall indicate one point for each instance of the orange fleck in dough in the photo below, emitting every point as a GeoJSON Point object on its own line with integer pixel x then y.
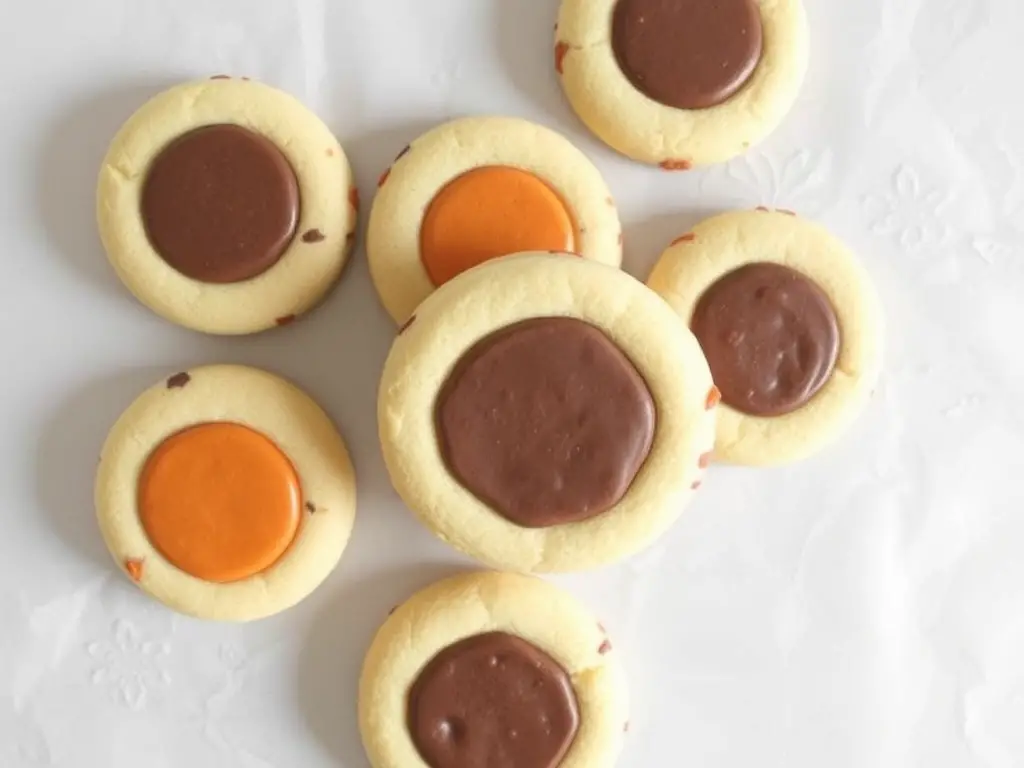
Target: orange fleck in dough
{"type": "Point", "coordinates": [134, 568]}
{"type": "Point", "coordinates": [714, 398]}
{"type": "Point", "coordinates": [490, 212]}
{"type": "Point", "coordinates": [219, 501]}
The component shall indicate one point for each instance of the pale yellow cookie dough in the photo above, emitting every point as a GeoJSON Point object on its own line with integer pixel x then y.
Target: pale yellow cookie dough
{"type": "Point", "coordinates": [498, 294]}
{"type": "Point", "coordinates": [279, 411]}
{"type": "Point", "coordinates": [477, 603]}
{"type": "Point", "coordinates": [726, 242]}
{"type": "Point", "coordinates": [323, 238]}
{"type": "Point", "coordinates": [645, 130]}
{"type": "Point", "coordinates": [452, 149]}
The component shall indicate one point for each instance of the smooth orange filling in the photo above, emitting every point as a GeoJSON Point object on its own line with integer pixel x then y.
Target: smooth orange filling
{"type": "Point", "coordinates": [220, 501]}
{"type": "Point", "coordinates": [490, 212]}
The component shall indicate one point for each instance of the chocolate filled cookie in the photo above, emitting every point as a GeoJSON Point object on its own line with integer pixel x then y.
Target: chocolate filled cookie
{"type": "Point", "coordinates": [681, 83]}
{"type": "Point", "coordinates": [489, 669]}
{"type": "Point", "coordinates": [544, 413]}
{"type": "Point", "coordinates": [790, 325]}
{"type": "Point", "coordinates": [226, 206]}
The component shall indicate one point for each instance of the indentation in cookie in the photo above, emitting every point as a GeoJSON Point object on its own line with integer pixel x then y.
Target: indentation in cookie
{"type": "Point", "coordinates": [461, 693]}
{"type": "Point", "coordinates": [179, 494]}
{"type": "Point", "coordinates": [220, 204]}
{"type": "Point", "coordinates": [770, 335]}
{"type": "Point", "coordinates": [313, 236]}
{"type": "Point", "coordinates": [492, 211]}
{"type": "Point", "coordinates": [546, 421]}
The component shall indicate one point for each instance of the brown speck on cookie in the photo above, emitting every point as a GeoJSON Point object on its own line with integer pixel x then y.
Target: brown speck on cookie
{"type": "Point", "coordinates": [286, 320]}
{"type": "Point", "coordinates": [313, 236]}
{"type": "Point", "coordinates": [762, 209]}
{"type": "Point", "coordinates": [353, 198]}
{"type": "Point", "coordinates": [383, 178]}
{"type": "Point", "coordinates": [561, 49]}
{"type": "Point", "coordinates": [696, 485]}
{"type": "Point", "coordinates": [330, 152]}
{"type": "Point", "coordinates": [220, 77]}
{"type": "Point", "coordinates": [676, 165]}
{"type": "Point", "coordinates": [610, 201]}
{"type": "Point", "coordinates": [134, 567]}
{"type": "Point", "coordinates": [786, 211]}
{"type": "Point", "coordinates": [606, 647]}
{"type": "Point", "coordinates": [178, 380]}
{"type": "Point", "coordinates": [705, 460]}
{"type": "Point", "coordinates": [310, 507]}
{"type": "Point", "coordinates": [713, 399]}
{"type": "Point", "coordinates": [403, 153]}
{"type": "Point", "coordinates": [406, 324]}
{"type": "Point", "coordinates": [689, 237]}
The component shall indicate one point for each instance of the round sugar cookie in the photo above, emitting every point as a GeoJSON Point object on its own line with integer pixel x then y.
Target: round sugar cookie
{"type": "Point", "coordinates": [543, 413]}
{"type": "Point", "coordinates": [681, 83]}
{"type": "Point", "coordinates": [226, 206]}
{"type": "Point", "coordinates": [477, 188]}
{"type": "Point", "coordinates": [790, 324]}
{"type": "Point", "coordinates": [492, 669]}
{"type": "Point", "coordinates": [225, 493]}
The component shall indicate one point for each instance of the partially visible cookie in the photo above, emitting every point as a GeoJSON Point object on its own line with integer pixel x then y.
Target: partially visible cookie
{"type": "Point", "coordinates": [225, 493]}
{"type": "Point", "coordinates": [226, 206]}
{"type": "Point", "coordinates": [790, 324]}
{"type": "Point", "coordinates": [545, 413]}
{"type": "Point", "coordinates": [478, 188]}
{"type": "Point", "coordinates": [681, 83]}
{"type": "Point", "coordinates": [487, 669]}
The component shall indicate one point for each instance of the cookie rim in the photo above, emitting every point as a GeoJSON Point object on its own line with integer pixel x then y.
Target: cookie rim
{"type": "Point", "coordinates": [439, 615]}
{"type": "Point", "coordinates": [492, 296]}
{"type": "Point", "coordinates": [417, 175]}
{"type": "Point", "coordinates": [677, 139]}
{"type": "Point", "coordinates": [328, 213]}
{"type": "Point", "coordinates": [691, 264]}
{"type": "Point", "coordinates": [275, 408]}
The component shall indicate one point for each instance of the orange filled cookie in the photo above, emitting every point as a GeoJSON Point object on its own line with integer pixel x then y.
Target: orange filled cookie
{"type": "Point", "coordinates": [225, 493]}
{"type": "Point", "coordinates": [477, 189]}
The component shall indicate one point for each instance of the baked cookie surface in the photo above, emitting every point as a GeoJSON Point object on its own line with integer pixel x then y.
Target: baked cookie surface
{"type": "Point", "coordinates": [225, 493]}
{"type": "Point", "coordinates": [479, 188]}
{"type": "Point", "coordinates": [545, 413]}
{"type": "Point", "coordinates": [492, 668]}
{"type": "Point", "coordinates": [681, 83]}
{"type": "Point", "coordinates": [790, 324]}
{"type": "Point", "coordinates": [226, 206]}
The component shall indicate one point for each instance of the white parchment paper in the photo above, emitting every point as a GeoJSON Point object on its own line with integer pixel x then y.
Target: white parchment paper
{"type": "Point", "coordinates": [863, 609]}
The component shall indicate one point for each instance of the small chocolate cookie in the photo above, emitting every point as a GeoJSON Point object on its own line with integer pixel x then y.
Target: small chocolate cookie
{"type": "Point", "coordinates": [226, 206]}
{"type": "Point", "coordinates": [790, 325]}
{"type": "Point", "coordinates": [681, 83]}
{"type": "Point", "coordinates": [486, 669]}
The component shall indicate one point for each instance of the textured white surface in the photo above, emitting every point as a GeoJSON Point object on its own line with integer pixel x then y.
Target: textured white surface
{"type": "Point", "coordinates": [863, 609]}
